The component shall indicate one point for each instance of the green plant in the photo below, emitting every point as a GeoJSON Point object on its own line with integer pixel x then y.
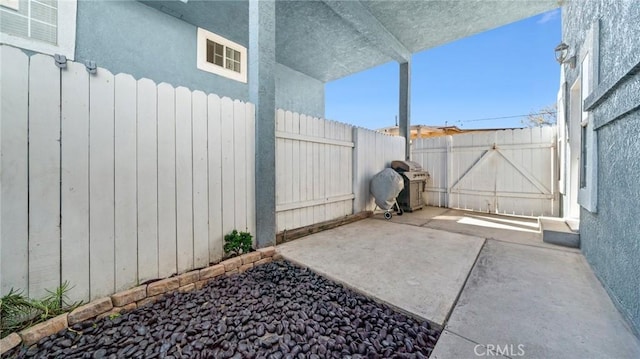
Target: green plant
{"type": "Point", "coordinates": [14, 309]}
{"type": "Point", "coordinates": [18, 311]}
{"type": "Point", "coordinates": [113, 316]}
{"type": "Point", "coordinates": [236, 243]}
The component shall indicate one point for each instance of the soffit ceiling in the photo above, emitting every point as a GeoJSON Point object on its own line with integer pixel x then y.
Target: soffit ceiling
{"type": "Point", "coordinates": [421, 25]}
{"type": "Point", "coordinates": [311, 38]}
{"type": "Point", "coordinates": [314, 39]}
{"type": "Point", "coordinates": [320, 40]}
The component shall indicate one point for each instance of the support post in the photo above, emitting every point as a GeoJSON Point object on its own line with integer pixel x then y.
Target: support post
{"type": "Point", "coordinates": [262, 59]}
{"type": "Point", "coordinates": [404, 109]}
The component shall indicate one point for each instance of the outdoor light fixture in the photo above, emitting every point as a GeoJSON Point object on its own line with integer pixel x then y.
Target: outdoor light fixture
{"type": "Point", "coordinates": [562, 52]}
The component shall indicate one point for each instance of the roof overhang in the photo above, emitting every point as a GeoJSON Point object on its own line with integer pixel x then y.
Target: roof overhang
{"type": "Point", "coordinates": [328, 39]}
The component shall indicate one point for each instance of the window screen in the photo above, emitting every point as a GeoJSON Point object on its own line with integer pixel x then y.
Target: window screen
{"type": "Point", "coordinates": [233, 60]}
{"type": "Point", "coordinates": [215, 53]}
{"type": "Point", "coordinates": [33, 19]}
{"type": "Point", "coordinates": [223, 56]}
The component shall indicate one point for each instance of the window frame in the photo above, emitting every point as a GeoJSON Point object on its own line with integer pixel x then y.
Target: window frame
{"type": "Point", "coordinates": [204, 65]}
{"type": "Point", "coordinates": [589, 71]}
{"type": "Point", "coordinates": [11, 4]}
{"type": "Point", "coordinates": [66, 36]}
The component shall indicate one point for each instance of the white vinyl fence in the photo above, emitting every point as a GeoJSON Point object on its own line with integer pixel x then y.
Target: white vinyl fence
{"type": "Point", "coordinates": [323, 168]}
{"type": "Point", "coordinates": [108, 181]}
{"type": "Point", "coordinates": [504, 171]}
{"type": "Point", "coordinates": [374, 152]}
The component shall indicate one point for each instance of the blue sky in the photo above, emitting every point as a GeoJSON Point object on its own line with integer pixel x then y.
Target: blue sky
{"type": "Point", "coordinates": [506, 71]}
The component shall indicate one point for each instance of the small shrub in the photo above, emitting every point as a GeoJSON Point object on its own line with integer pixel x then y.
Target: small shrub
{"type": "Point", "coordinates": [113, 316]}
{"type": "Point", "coordinates": [18, 312]}
{"type": "Point", "coordinates": [236, 243]}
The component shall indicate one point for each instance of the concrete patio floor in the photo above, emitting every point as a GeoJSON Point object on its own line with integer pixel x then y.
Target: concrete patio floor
{"type": "Point", "coordinates": [489, 280]}
{"type": "Point", "coordinates": [416, 270]}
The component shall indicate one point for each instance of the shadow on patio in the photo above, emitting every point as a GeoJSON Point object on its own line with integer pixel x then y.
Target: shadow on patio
{"type": "Point", "coordinates": [522, 230]}
{"type": "Point", "coordinates": [488, 280]}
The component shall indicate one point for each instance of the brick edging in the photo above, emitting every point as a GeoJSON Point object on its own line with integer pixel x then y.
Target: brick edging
{"type": "Point", "coordinates": [139, 296]}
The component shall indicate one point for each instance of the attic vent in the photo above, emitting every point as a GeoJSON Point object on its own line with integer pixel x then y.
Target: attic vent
{"type": "Point", "coordinates": [221, 56]}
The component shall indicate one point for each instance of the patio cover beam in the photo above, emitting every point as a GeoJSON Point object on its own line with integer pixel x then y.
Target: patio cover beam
{"type": "Point", "coordinates": [262, 89]}
{"type": "Point", "coordinates": [357, 15]}
{"type": "Point", "coordinates": [404, 108]}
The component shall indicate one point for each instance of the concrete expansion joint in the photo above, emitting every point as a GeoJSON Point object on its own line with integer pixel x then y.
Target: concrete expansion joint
{"type": "Point", "coordinates": [464, 285]}
{"type": "Point", "coordinates": [427, 222]}
{"type": "Point", "coordinates": [473, 341]}
{"type": "Point", "coordinates": [461, 336]}
{"type": "Point", "coordinates": [364, 292]}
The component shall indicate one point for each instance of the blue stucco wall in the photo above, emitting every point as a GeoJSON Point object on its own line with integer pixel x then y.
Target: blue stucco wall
{"type": "Point", "coordinates": [298, 92]}
{"type": "Point", "coordinates": [159, 43]}
{"type": "Point", "coordinates": [131, 37]}
{"type": "Point", "coordinates": [610, 238]}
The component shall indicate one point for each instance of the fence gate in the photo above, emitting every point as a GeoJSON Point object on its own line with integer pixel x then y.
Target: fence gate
{"type": "Point", "coordinates": [505, 171]}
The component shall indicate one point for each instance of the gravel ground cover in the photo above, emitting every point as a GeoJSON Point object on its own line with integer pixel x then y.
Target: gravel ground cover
{"type": "Point", "coordinates": [276, 310]}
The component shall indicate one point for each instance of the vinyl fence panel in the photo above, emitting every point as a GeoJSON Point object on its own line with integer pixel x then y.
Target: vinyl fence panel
{"type": "Point", "coordinates": [44, 175]}
{"type": "Point", "coordinates": [314, 166]}
{"type": "Point", "coordinates": [434, 156]}
{"type": "Point", "coordinates": [75, 190]}
{"type": "Point", "coordinates": [200, 181]}
{"type": "Point", "coordinates": [147, 180]}
{"type": "Point", "coordinates": [184, 180]}
{"type": "Point", "coordinates": [125, 174]}
{"type": "Point", "coordinates": [228, 175]}
{"type": "Point", "coordinates": [215, 178]}
{"type": "Point", "coordinates": [374, 152]}
{"type": "Point", "coordinates": [14, 215]}
{"type": "Point", "coordinates": [109, 181]}
{"type": "Point", "coordinates": [239, 166]}
{"type": "Point", "coordinates": [323, 168]}
{"type": "Point", "coordinates": [167, 242]}
{"type": "Point", "coordinates": [505, 171]}
{"type": "Point", "coordinates": [101, 184]}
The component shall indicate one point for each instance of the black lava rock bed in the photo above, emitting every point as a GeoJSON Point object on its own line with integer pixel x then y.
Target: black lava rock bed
{"type": "Point", "coordinates": [276, 310]}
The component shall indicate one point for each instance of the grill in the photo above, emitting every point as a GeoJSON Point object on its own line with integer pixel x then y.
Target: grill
{"type": "Point", "coordinates": [415, 179]}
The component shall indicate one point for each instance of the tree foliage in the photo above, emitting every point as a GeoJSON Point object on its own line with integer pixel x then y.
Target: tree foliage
{"type": "Point", "coordinates": [546, 116]}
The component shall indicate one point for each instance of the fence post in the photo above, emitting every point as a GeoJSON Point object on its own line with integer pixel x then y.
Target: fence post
{"type": "Point", "coordinates": [449, 169]}
{"type": "Point", "coordinates": [355, 187]}
{"type": "Point", "coordinates": [405, 106]}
